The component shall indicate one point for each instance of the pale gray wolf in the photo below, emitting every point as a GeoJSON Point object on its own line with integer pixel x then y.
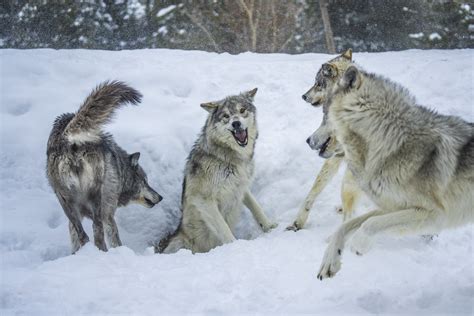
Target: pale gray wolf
{"type": "Point", "coordinates": [323, 140]}
{"type": "Point", "coordinates": [89, 173]}
{"type": "Point", "coordinates": [217, 178]}
{"type": "Point", "coordinates": [417, 166]}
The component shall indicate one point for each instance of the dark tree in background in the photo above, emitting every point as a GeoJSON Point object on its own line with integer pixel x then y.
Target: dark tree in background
{"type": "Point", "coordinates": [234, 26]}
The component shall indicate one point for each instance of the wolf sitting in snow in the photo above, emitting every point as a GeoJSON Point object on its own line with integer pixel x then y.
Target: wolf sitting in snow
{"type": "Point", "coordinates": [217, 178]}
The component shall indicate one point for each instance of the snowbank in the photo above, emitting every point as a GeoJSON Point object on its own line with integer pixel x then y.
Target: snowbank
{"type": "Point", "coordinates": [264, 273]}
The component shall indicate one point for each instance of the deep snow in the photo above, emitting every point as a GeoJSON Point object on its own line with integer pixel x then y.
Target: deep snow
{"type": "Point", "coordinates": [260, 273]}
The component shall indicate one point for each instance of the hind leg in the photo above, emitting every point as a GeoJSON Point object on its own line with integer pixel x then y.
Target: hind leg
{"type": "Point", "coordinates": [416, 220]}
{"type": "Point", "coordinates": [78, 236]}
{"type": "Point", "coordinates": [205, 226]}
{"type": "Point", "coordinates": [176, 243]}
{"type": "Point", "coordinates": [96, 211]}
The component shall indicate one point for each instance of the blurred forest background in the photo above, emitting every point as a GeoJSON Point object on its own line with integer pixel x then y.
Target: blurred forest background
{"type": "Point", "coordinates": [234, 26]}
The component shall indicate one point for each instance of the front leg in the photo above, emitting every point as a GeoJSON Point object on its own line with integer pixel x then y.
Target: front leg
{"type": "Point", "coordinates": [111, 231]}
{"type": "Point", "coordinates": [328, 171]}
{"type": "Point", "coordinates": [258, 213]}
{"type": "Point", "coordinates": [350, 194]}
{"type": "Point", "coordinates": [331, 262]}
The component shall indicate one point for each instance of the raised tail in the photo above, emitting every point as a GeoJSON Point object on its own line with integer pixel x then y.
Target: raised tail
{"type": "Point", "coordinates": [98, 109]}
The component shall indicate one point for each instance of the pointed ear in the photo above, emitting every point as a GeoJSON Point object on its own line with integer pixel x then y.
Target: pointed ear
{"type": "Point", "coordinates": [134, 159]}
{"type": "Point", "coordinates": [209, 106]}
{"type": "Point", "coordinates": [329, 70]}
{"type": "Point", "coordinates": [351, 78]}
{"type": "Point", "coordinates": [251, 93]}
{"type": "Point", "coordinates": [347, 54]}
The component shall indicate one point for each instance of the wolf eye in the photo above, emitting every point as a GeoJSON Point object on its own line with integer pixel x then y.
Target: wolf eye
{"type": "Point", "coordinates": [242, 110]}
{"type": "Point", "coordinates": [226, 116]}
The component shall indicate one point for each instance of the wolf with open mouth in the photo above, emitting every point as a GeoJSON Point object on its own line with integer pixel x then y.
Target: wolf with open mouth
{"type": "Point", "coordinates": [217, 178]}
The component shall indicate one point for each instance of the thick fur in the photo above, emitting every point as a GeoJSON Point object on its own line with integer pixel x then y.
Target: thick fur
{"type": "Point", "coordinates": [325, 142]}
{"type": "Point", "coordinates": [416, 165]}
{"type": "Point", "coordinates": [217, 178]}
{"type": "Point", "coordinates": [90, 174]}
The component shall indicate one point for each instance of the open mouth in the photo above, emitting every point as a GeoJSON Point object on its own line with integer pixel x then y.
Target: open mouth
{"type": "Point", "coordinates": [149, 203]}
{"type": "Point", "coordinates": [240, 136]}
{"type": "Point", "coordinates": [324, 146]}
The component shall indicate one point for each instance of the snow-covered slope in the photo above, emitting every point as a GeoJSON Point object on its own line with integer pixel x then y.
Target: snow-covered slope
{"type": "Point", "coordinates": [265, 273]}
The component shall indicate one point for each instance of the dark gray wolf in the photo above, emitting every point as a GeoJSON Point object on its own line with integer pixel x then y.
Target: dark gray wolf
{"type": "Point", "coordinates": [90, 174]}
{"type": "Point", "coordinates": [322, 140]}
{"type": "Point", "coordinates": [416, 165]}
{"type": "Point", "coordinates": [217, 178]}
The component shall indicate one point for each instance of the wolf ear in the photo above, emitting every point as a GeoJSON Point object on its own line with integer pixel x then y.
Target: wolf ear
{"type": "Point", "coordinates": [347, 54]}
{"type": "Point", "coordinates": [134, 159]}
{"type": "Point", "coordinates": [251, 93]}
{"type": "Point", "coordinates": [209, 106]}
{"type": "Point", "coordinates": [351, 78]}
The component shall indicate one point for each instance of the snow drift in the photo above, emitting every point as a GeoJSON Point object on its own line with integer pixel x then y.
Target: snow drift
{"type": "Point", "coordinates": [264, 273]}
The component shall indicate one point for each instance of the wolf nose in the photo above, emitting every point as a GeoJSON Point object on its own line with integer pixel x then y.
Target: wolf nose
{"type": "Point", "coordinates": [236, 124]}
{"type": "Point", "coordinates": [304, 97]}
{"type": "Point", "coordinates": [160, 198]}
{"type": "Point", "coordinates": [307, 140]}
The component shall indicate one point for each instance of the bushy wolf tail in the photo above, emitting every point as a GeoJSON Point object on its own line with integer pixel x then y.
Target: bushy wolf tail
{"type": "Point", "coordinates": [98, 109]}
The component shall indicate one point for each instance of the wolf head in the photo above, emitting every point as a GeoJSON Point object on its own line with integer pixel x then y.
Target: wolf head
{"type": "Point", "coordinates": [136, 188]}
{"type": "Point", "coordinates": [323, 138]}
{"type": "Point", "coordinates": [326, 78]}
{"type": "Point", "coordinates": [232, 122]}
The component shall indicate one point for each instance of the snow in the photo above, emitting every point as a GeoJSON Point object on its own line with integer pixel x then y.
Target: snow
{"type": "Point", "coordinates": [416, 35]}
{"type": "Point", "coordinates": [166, 10]}
{"type": "Point", "coordinates": [434, 36]}
{"type": "Point", "coordinates": [272, 273]}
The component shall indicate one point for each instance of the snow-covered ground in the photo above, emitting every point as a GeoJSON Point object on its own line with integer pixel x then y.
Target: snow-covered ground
{"type": "Point", "coordinates": [272, 273]}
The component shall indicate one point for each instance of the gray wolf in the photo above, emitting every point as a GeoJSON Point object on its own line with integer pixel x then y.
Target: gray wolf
{"type": "Point", "coordinates": [323, 141]}
{"type": "Point", "coordinates": [416, 165]}
{"type": "Point", "coordinates": [217, 178]}
{"type": "Point", "coordinates": [89, 173]}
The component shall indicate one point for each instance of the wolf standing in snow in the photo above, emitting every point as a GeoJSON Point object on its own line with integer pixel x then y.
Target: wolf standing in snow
{"type": "Point", "coordinates": [323, 141]}
{"type": "Point", "coordinates": [416, 165]}
{"type": "Point", "coordinates": [217, 178]}
{"type": "Point", "coordinates": [90, 174]}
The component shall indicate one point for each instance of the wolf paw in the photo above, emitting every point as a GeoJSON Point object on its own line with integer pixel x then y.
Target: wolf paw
{"type": "Point", "coordinates": [360, 243]}
{"type": "Point", "coordinates": [294, 227]}
{"type": "Point", "coordinates": [331, 263]}
{"type": "Point", "coordinates": [267, 227]}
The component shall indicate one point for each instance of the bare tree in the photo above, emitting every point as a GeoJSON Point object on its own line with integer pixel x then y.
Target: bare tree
{"type": "Point", "coordinates": [323, 5]}
{"type": "Point", "coordinates": [263, 26]}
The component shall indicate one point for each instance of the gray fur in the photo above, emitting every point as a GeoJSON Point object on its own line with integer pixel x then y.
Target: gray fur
{"type": "Point", "coordinates": [217, 178]}
{"type": "Point", "coordinates": [416, 165]}
{"type": "Point", "coordinates": [326, 144]}
{"type": "Point", "coordinates": [89, 173]}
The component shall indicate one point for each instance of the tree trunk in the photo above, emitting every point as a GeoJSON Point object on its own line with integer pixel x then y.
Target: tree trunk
{"type": "Point", "coordinates": [323, 5]}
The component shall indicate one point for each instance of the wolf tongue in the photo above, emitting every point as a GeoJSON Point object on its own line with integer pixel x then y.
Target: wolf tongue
{"type": "Point", "coordinates": [241, 135]}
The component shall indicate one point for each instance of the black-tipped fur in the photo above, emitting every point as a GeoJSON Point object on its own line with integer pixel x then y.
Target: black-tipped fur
{"type": "Point", "coordinates": [99, 108]}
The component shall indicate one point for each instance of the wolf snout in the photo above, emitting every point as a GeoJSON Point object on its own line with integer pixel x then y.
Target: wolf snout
{"type": "Point", "coordinates": [304, 97]}
{"type": "Point", "coordinates": [152, 198]}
